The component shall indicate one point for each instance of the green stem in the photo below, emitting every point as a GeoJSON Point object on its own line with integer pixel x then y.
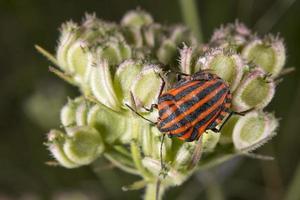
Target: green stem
{"type": "Point", "coordinates": [191, 17]}
{"type": "Point", "coordinates": [46, 53]}
{"type": "Point", "coordinates": [293, 192]}
{"type": "Point", "coordinates": [150, 193]}
{"type": "Point", "coordinates": [136, 151]}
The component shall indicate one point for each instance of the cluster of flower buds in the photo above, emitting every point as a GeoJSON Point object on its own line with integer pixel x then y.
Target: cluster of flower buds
{"type": "Point", "coordinates": [116, 65]}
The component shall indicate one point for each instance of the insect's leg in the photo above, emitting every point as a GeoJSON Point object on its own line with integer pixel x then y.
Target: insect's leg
{"type": "Point", "coordinates": [243, 112]}
{"type": "Point", "coordinates": [161, 169]}
{"type": "Point", "coordinates": [151, 107]}
{"type": "Point", "coordinates": [196, 154]}
{"type": "Point", "coordinates": [162, 85]}
{"type": "Point", "coordinates": [222, 125]}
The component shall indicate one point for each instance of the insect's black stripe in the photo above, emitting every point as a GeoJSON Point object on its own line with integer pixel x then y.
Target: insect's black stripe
{"type": "Point", "coordinates": [202, 123]}
{"type": "Point", "coordinates": [165, 97]}
{"type": "Point", "coordinates": [199, 96]}
{"type": "Point", "coordinates": [186, 105]}
{"type": "Point", "coordinates": [193, 115]}
{"type": "Point", "coordinates": [189, 90]}
{"type": "Point", "coordinates": [162, 111]}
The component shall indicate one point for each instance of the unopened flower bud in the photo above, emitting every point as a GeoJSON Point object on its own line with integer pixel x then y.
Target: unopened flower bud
{"type": "Point", "coordinates": [253, 130]}
{"type": "Point", "coordinates": [167, 52]}
{"type": "Point", "coordinates": [148, 78]}
{"type": "Point", "coordinates": [136, 18]}
{"type": "Point", "coordinates": [226, 132]}
{"type": "Point", "coordinates": [184, 155]}
{"type": "Point", "coordinates": [235, 34]}
{"type": "Point", "coordinates": [68, 112]}
{"type": "Point", "coordinates": [56, 140]}
{"type": "Point", "coordinates": [227, 66]}
{"type": "Point", "coordinates": [210, 140]}
{"type": "Point", "coordinates": [268, 54]}
{"type": "Point", "coordinates": [69, 34]}
{"type": "Point", "coordinates": [100, 117]}
{"type": "Point", "coordinates": [83, 145]}
{"type": "Point", "coordinates": [124, 77]}
{"type": "Point", "coordinates": [255, 91]}
{"type": "Point", "coordinates": [102, 85]}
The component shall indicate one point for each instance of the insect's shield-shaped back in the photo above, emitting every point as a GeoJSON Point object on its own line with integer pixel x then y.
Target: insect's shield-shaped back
{"type": "Point", "coordinates": [115, 65]}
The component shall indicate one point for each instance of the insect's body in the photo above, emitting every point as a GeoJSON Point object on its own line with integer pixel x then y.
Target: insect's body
{"type": "Point", "coordinates": [195, 104]}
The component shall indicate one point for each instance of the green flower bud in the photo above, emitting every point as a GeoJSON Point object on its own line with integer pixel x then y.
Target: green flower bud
{"type": "Point", "coordinates": [253, 130]}
{"type": "Point", "coordinates": [55, 145]}
{"type": "Point", "coordinates": [133, 36]}
{"type": "Point", "coordinates": [210, 140]}
{"type": "Point", "coordinates": [81, 113]}
{"type": "Point", "coordinates": [83, 145]}
{"type": "Point", "coordinates": [151, 34]}
{"type": "Point", "coordinates": [69, 34]}
{"type": "Point", "coordinates": [136, 18]}
{"type": "Point", "coordinates": [184, 155]}
{"type": "Point", "coordinates": [68, 112]}
{"type": "Point", "coordinates": [77, 60]}
{"type": "Point", "coordinates": [255, 91]}
{"type": "Point", "coordinates": [226, 132]}
{"type": "Point", "coordinates": [227, 66]}
{"type": "Point", "coordinates": [101, 118]}
{"type": "Point", "coordinates": [124, 77]}
{"type": "Point", "coordinates": [167, 52]}
{"type": "Point", "coordinates": [148, 78]}
{"type": "Point", "coordinates": [102, 85]}
{"type": "Point", "coordinates": [235, 34]}
{"type": "Point", "coordinates": [113, 51]}
{"type": "Point", "coordinates": [269, 54]}
{"type": "Point", "coordinates": [181, 34]}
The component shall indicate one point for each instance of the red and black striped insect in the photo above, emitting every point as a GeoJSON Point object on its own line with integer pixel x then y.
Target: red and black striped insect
{"type": "Point", "coordinates": [196, 103]}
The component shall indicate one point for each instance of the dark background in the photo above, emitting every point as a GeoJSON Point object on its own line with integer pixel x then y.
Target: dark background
{"type": "Point", "coordinates": [31, 98]}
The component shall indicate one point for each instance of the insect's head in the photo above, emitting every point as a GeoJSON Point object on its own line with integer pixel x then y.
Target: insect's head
{"type": "Point", "coordinates": [204, 75]}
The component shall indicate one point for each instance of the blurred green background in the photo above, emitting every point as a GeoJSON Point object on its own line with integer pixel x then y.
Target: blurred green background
{"type": "Point", "coordinates": [31, 98]}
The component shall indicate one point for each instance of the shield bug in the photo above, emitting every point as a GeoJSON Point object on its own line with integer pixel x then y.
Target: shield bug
{"type": "Point", "coordinates": [195, 104]}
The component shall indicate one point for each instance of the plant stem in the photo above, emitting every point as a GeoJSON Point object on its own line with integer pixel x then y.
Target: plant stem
{"type": "Point", "coordinates": [135, 150]}
{"type": "Point", "coordinates": [293, 192]}
{"type": "Point", "coordinates": [150, 193]}
{"type": "Point", "coordinates": [191, 17]}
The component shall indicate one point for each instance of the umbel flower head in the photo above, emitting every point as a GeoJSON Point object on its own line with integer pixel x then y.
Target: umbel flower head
{"type": "Point", "coordinates": [115, 65]}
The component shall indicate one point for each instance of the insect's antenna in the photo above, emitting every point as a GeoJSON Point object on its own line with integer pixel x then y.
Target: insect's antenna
{"type": "Point", "coordinates": [162, 167]}
{"type": "Point", "coordinates": [133, 110]}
